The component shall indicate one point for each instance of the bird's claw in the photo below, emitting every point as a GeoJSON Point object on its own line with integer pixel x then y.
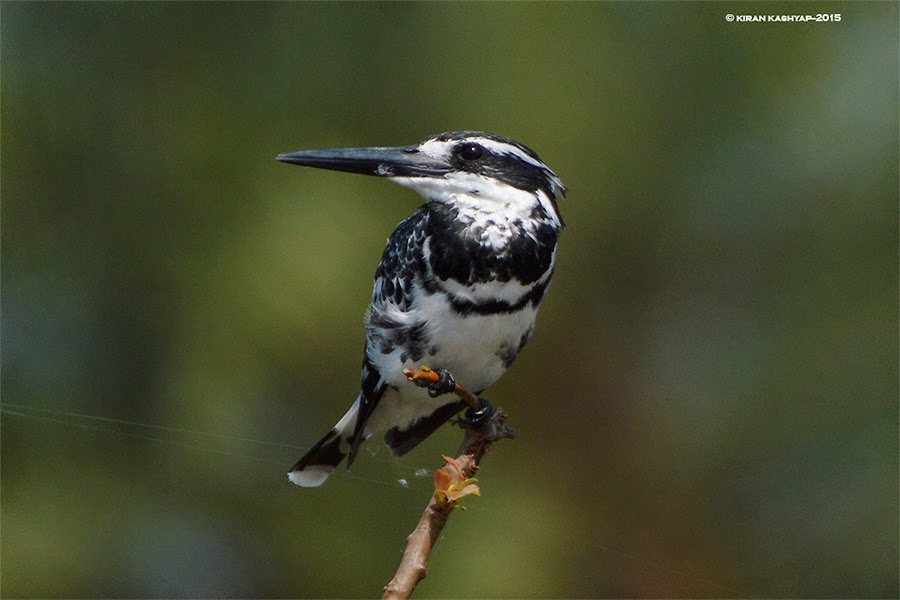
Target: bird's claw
{"type": "Point", "coordinates": [479, 409]}
{"type": "Point", "coordinates": [477, 417]}
{"type": "Point", "coordinates": [445, 385]}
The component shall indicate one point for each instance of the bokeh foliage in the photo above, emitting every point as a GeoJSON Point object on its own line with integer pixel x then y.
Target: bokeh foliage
{"type": "Point", "coordinates": [709, 407]}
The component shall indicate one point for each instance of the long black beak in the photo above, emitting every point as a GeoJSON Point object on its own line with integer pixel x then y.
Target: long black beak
{"type": "Point", "coordinates": [404, 161]}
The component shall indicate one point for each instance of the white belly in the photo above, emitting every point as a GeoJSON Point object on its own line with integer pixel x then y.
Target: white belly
{"type": "Point", "coordinates": [474, 348]}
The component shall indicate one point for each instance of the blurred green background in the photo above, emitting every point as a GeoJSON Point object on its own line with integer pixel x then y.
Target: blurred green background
{"type": "Point", "coordinates": [708, 409]}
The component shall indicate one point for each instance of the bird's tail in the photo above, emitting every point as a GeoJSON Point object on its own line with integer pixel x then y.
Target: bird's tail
{"type": "Point", "coordinates": [316, 465]}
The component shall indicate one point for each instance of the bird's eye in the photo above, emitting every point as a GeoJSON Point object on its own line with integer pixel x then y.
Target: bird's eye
{"type": "Point", "coordinates": [471, 152]}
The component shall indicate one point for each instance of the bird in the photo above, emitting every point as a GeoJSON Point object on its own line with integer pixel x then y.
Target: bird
{"type": "Point", "coordinates": [457, 289]}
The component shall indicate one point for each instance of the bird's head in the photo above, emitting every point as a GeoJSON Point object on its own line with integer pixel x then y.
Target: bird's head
{"type": "Point", "coordinates": [471, 167]}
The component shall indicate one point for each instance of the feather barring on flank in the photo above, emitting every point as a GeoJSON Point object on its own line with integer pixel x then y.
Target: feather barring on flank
{"type": "Point", "coordinates": [458, 286]}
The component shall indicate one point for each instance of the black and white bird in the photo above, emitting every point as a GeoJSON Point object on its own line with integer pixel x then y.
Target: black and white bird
{"type": "Point", "coordinates": [458, 286]}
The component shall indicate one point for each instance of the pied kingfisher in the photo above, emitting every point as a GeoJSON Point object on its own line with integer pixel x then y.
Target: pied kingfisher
{"type": "Point", "coordinates": [458, 286]}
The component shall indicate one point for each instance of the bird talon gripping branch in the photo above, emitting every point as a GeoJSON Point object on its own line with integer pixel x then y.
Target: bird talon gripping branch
{"type": "Point", "coordinates": [477, 417]}
{"type": "Point", "coordinates": [428, 378]}
{"type": "Point", "coordinates": [445, 385]}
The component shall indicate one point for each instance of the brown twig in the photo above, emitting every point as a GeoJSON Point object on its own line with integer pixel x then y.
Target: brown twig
{"type": "Point", "coordinates": [419, 543]}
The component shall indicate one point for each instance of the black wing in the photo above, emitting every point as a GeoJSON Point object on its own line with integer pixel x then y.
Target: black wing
{"type": "Point", "coordinates": [400, 265]}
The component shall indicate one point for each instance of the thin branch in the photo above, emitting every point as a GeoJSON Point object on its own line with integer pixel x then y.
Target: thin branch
{"type": "Point", "coordinates": [477, 441]}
